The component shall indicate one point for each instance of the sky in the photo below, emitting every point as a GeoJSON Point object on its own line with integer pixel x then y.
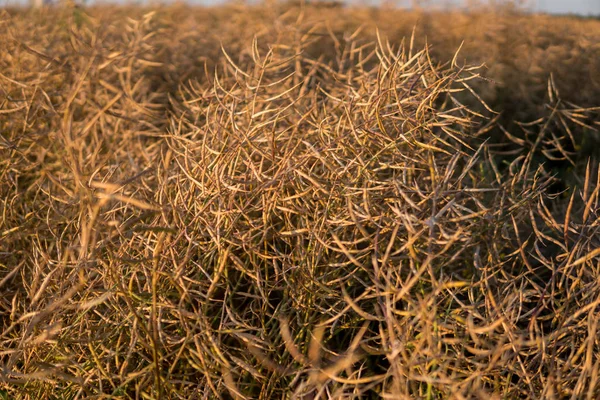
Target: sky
{"type": "Point", "coordinates": [582, 7]}
{"type": "Point", "coordinates": [570, 6]}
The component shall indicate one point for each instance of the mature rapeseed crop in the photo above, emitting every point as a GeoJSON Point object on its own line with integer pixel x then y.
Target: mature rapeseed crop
{"type": "Point", "coordinates": [298, 202]}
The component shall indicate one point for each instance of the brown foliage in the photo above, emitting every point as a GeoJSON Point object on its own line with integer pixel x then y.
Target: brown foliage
{"type": "Point", "coordinates": [268, 202]}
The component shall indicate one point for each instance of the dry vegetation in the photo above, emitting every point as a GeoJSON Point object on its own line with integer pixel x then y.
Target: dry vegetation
{"type": "Point", "coordinates": [268, 202]}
